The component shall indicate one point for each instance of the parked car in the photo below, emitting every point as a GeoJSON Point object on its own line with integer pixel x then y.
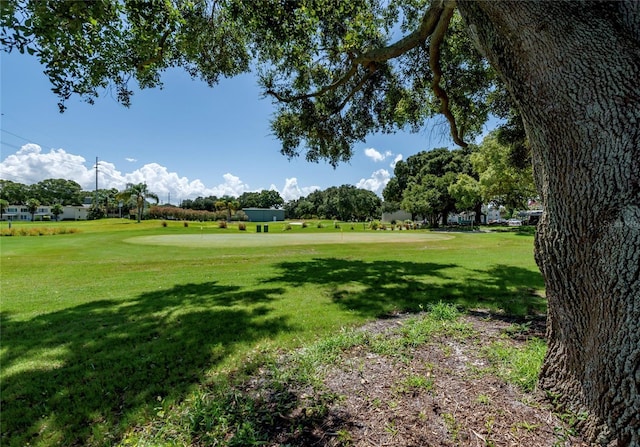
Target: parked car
{"type": "Point", "coordinates": [514, 222]}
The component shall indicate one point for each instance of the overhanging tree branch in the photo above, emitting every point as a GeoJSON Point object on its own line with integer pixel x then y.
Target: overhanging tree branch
{"type": "Point", "coordinates": [434, 24]}
{"type": "Point", "coordinates": [343, 80]}
{"type": "Point", "coordinates": [142, 65]}
{"type": "Point", "coordinates": [434, 62]}
{"type": "Point", "coordinates": [409, 42]}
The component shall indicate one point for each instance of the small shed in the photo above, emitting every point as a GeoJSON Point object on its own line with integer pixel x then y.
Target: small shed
{"type": "Point", "coordinates": [264, 214]}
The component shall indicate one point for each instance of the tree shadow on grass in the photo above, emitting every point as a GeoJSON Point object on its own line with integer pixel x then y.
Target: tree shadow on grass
{"type": "Point", "coordinates": [375, 289]}
{"type": "Point", "coordinates": [80, 376]}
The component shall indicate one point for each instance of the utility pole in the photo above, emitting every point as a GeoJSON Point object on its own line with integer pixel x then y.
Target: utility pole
{"type": "Point", "coordinates": [95, 195]}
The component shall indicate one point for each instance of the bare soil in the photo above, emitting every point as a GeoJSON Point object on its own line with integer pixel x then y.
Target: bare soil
{"type": "Point", "coordinates": [457, 404]}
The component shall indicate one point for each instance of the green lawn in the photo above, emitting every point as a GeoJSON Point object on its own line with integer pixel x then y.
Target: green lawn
{"type": "Point", "coordinates": [104, 328]}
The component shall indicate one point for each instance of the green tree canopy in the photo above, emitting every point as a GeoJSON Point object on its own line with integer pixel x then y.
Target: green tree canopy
{"type": "Point", "coordinates": [465, 192]}
{"type": "Point", "coordinates": [345, 202]}
{"type": "Point", "coordinates": [428, 197]}
{"type": "Point", "coordinates": [65, 192]}
{"type": "Point", "coordinates": [429, 173]}
{"type": "Point", "coordinates": [263, 199]}
{"type": "Point", "coordinates": [501, 182]}
{"type": "Point", "coordinates": [14, 193]}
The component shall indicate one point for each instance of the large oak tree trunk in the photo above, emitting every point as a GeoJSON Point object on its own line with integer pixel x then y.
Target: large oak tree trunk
{"type": "Point", "coordinates": [573, 69]}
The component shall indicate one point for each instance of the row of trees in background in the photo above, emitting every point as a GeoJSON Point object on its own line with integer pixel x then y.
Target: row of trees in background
{"type": "Point", "coordinates": [429, 185]}
{"type": "Point", "coordinates": [47, 192]}
{"type": "Point", "coordinates": [263, 199]}
{"type": "Point", "coordinates": [344, 203]}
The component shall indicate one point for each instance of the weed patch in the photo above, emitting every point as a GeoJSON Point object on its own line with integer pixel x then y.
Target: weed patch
{"type": "Point", "coordinates": [519, 365]}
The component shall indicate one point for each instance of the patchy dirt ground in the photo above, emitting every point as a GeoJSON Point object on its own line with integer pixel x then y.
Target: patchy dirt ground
{"type": "Point", "coordinates": [438, 397]}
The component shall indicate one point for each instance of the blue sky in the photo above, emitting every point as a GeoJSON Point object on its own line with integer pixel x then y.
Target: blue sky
{"type": "Point", "coordinates": [185, 140]}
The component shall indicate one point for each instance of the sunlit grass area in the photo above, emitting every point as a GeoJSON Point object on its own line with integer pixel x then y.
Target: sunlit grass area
{"type": "Point", "coordinates": [105, 326]}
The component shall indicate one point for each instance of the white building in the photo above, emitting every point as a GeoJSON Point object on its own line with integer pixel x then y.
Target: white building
{"type": "Point", "coordinates": [21, 213]}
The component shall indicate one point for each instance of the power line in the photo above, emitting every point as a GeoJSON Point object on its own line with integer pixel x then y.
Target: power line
{"type": "Point", "coordinates": [15, 135]}
{"type": "Point", "coordinates": [28, 140]}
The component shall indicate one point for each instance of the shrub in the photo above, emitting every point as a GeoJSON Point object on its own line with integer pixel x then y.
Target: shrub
{"type": "Point", "coordinates": [242, 226]}
{"type": "Point", "coordinates": [164, 223]}
{"type": "Point", "coordinates": [287, 227]}
{"type": "Point", "coordinates": [374, 225]}
{"type": "Point", "coordinates": [304, 225]}
{"type": "Point", "coordinates": [185, 223]}
{"type": "Point", "coordinates": [222, 224]}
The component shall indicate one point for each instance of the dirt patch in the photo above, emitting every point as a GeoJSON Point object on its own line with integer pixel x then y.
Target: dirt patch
{"type": "Point", "coordinates": [440, 395]}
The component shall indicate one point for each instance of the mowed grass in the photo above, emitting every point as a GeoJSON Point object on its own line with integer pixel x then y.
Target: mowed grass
{"type": "Point", "coordinates": [105, 329]}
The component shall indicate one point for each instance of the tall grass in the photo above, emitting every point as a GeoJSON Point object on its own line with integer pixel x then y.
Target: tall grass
{"type": "Point", "coordinates": [101, 335]}
{"type": "Point", "coordinates": [36, 231]}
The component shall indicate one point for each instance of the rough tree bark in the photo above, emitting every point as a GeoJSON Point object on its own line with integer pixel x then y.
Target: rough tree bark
{"type": "Point", "coordinates": [573, 69]}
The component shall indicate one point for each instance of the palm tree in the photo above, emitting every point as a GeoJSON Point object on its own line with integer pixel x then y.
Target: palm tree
{"type": "Point", "coordinates": [137, 193]}
{"type": "Point", "coordinates": [4, 204]}
{"type": "Point", "coordinates": [228, 204]}
{"type": "Point", "coordinates": [56, 210]}
{"type": "Point", "coordinates": [32, 206]}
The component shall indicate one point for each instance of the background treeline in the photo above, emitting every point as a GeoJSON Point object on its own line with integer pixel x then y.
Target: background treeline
{"type": "Point", "coordinates": [47, 192]}
{"type": "Point", "coordinates": [429, 185]}
{"type": "Point", "coordinates": [345, 203]}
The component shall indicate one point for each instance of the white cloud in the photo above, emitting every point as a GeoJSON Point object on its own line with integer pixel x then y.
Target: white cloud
{"type": "Point", "coordinates": [376, 182]}
{"type": "Point", "coordinates": [375, 155]}
{"type": "Point", "coordinates": [292, 191]}
{"type": "Point", "coordinates": [232, 186]}
{"type": "Point", "coordinates": [131, 160]}
{"type": "Point", "coordinates": [31, 165]}
{"type": "Point", "coordinates": [396, 160]}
